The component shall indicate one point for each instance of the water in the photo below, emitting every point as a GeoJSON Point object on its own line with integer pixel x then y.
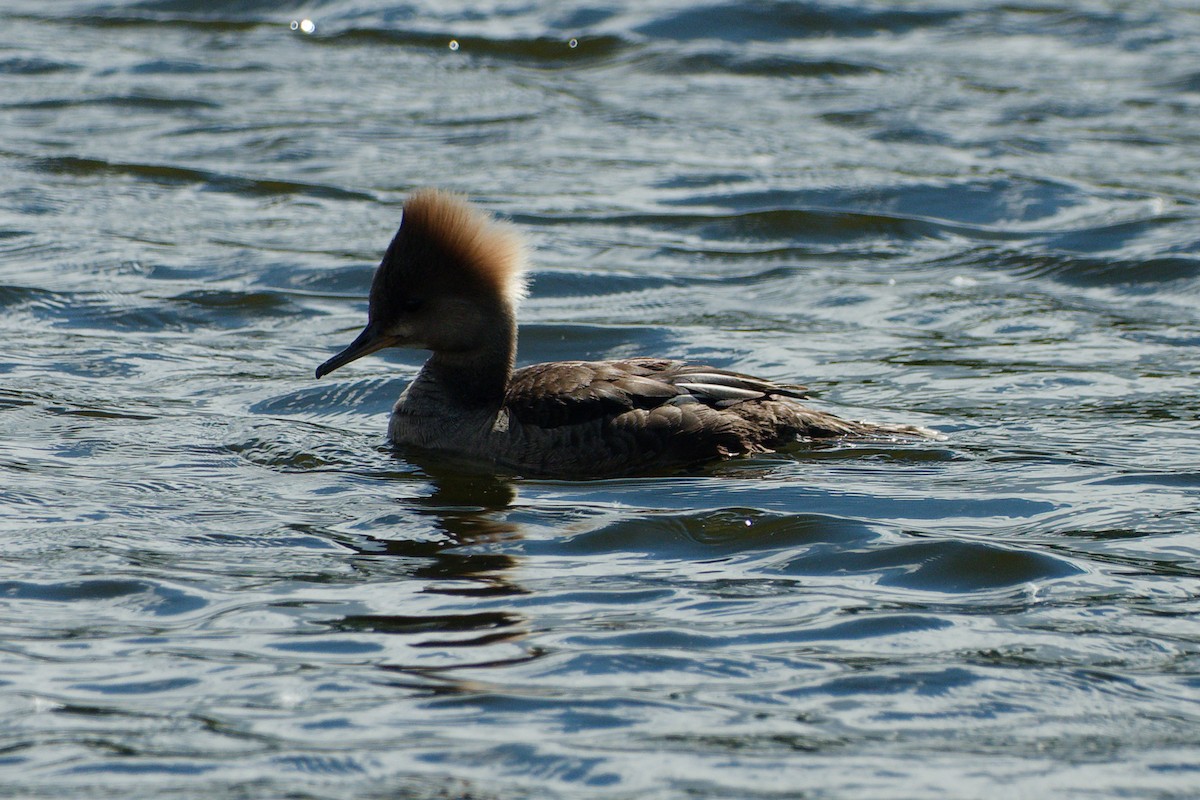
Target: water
{"type": "Point", "coordinates": [218, 582]}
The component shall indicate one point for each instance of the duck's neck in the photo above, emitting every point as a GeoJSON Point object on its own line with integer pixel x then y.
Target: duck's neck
{"type": "Point", "coordinates": [478, 377]}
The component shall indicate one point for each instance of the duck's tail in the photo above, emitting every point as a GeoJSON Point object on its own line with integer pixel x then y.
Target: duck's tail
{"type": "Point", "coordinates": [873, 430]}
{"type": "Point", "coordinates": [815, 424]}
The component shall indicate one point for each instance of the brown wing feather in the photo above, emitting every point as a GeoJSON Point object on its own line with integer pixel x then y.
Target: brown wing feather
{"type": "Point", "coordinates": [574, 392]}
{"type": "Point", "coordinates": [641, 413]}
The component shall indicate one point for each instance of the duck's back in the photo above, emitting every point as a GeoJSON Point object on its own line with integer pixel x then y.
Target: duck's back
{"type": "Point", "coordinates": [578, 418]}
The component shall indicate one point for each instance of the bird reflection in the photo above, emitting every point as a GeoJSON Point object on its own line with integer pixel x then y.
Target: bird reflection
{"type": "Point", "coordinates": [465, 509]}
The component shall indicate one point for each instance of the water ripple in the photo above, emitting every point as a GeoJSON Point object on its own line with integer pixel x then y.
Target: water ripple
{"type": "Point", "coordinates": [172, 174]}
{"type": "Point", "coordinates": [220, 581]}
{"type": "Point", "coordinates": [780, 21]}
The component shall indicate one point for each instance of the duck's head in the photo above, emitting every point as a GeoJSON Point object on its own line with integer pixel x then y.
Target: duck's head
{"type": "Point", "coordinates": [449, 282]}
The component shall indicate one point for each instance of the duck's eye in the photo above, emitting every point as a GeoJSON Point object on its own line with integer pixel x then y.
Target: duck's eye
{"type": "Point", "coordinates": [411, 304]}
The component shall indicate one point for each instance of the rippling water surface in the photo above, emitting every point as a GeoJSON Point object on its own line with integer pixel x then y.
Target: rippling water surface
{"type": "Point", "coordinates": [218, 582]}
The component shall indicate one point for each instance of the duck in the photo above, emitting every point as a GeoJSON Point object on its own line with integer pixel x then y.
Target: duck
{"type": "Point", "coordinates": [450, 282]}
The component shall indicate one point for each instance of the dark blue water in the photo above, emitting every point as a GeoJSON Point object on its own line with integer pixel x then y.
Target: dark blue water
{"type": "Point", "coordinates": [218, 582]}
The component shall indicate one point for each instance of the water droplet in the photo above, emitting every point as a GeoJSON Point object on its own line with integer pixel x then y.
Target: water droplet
{"type": "Point", "coordinates": [573, 44]}
{"type": "Point", "coordinates": [307, 26]}
{"type": "Point", "coordinates": [295, 25]}
{"type": "Point", "coordinates": [454, 44]}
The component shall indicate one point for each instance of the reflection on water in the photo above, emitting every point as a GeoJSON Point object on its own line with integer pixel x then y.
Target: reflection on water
{"type": "Point", "coordinates": [464, 508]}
{"type": "Point", "coordinates": [219, 581]}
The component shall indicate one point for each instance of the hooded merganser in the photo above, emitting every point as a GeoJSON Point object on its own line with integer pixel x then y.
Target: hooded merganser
{"type": "Point", "coordinates": [450, 282]}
